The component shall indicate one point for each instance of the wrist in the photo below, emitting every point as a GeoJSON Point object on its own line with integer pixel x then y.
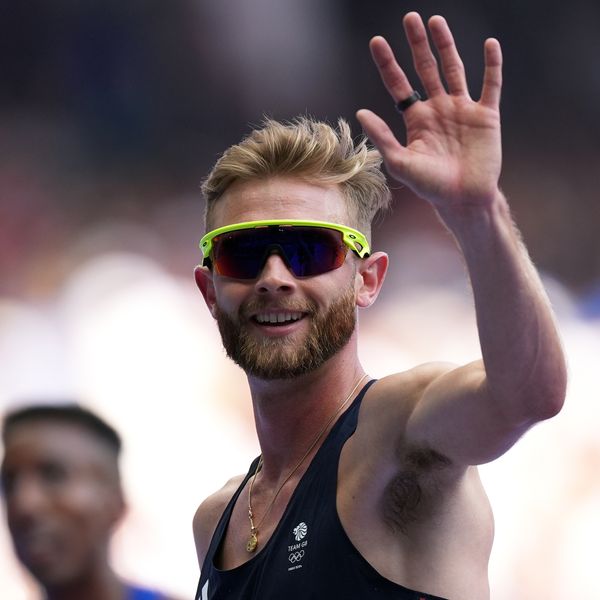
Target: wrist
{"type": "Point", "coordinates": [461, 216]}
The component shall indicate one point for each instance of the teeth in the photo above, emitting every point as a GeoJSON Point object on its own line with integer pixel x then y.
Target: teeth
{"type": "Point", "coordinates": [278, 317]}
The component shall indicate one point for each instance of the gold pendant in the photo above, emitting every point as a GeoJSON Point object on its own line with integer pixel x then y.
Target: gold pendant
{"type": "Point", "coordinates": [252, 543]}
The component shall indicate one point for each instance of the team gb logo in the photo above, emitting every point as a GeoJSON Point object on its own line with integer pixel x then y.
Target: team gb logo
{"type": "Point", "coordinates": [300, 531]}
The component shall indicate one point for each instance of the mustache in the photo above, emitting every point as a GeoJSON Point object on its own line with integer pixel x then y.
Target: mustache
{"type": "Point", "coordinates": [255, 305]}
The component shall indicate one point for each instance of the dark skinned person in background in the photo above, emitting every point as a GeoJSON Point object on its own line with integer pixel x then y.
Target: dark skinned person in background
{"type": "Point", "coordinates": [62, 492]}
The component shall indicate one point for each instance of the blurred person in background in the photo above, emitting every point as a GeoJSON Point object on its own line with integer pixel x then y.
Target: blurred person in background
{"type": "Point", "coordinates": [63, 498]}
{"type": "Point", "coordinates": [364, 488]}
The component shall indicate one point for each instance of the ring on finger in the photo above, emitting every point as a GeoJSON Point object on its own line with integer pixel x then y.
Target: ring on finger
{"type": "Point", "coordinates": [406, 103]}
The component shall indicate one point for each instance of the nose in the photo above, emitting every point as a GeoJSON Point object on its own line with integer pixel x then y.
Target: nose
{"type": "Point", "coordinates": [275, 277]}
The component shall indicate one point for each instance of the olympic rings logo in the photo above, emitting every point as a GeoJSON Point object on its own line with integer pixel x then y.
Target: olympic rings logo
{"type": "Point", "coordinates": [295, 557]}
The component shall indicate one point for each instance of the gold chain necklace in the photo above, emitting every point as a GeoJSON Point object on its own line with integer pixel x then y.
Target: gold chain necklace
{"type": "Point", "coordinates": [252, 543]}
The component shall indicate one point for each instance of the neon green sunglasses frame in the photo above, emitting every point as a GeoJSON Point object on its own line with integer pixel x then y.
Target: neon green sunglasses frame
{"type": "Point", "coordinates": [353, 238]}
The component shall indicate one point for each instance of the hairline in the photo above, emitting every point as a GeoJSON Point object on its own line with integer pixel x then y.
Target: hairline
{"type": "Point", "coordinates": [349, 209]}
{"type": "Point", "coordinates": [73, 415]}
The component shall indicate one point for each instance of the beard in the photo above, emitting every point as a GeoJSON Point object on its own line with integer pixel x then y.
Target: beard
{"type": "Point", "coordinates": [289, 356]}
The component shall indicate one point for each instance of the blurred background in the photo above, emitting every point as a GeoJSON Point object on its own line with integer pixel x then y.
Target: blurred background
{"type": "Point", "coordinates": [111, 113]}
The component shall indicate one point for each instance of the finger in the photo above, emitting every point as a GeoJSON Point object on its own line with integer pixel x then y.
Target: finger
{"type": "Point", "coordinates": [393, 77]}
{"type": "Point", "coordinates": [452, 65]}
{"type": "Point", "coordinates": [382, 137]}
{"type": "Point", "coordinates": [492, 76]}
{"type": "Point", "coordinates": [423, 58]}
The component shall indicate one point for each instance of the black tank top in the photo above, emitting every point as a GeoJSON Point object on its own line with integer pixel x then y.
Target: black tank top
{"type": "Point", "coordinates": [309, 556]}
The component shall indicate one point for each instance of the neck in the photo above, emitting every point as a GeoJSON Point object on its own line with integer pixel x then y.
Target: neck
{"type": "Point", "coordinates": [98, 585]}
{"type": "Point", "coordinates": [289, 413]}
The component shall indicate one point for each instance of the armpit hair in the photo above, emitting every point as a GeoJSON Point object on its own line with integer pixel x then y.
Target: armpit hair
{"type": "Point", "coordinates": [409, 495]}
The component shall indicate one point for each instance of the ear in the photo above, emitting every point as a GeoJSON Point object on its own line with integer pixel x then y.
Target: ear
{"type": "Point", "coordinates": [112, 500]}
{"type": "Point", "coordinates": [204, 281]}
{"type": "Point", "coordinates": [370, 275]}
{"type": "Point", "coordinates": [119, 506]}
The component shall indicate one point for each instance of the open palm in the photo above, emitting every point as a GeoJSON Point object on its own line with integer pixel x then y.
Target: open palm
{"type": "Point", "coordinates": [452, 156]}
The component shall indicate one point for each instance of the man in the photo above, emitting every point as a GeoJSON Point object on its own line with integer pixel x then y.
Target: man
{"type": "Point", "coordinates": [63, 497]}
{"type": "Point", "coordinates": [368, 490]}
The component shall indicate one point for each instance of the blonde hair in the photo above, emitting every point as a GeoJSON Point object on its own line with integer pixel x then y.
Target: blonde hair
{"type": "Point", "coordinates": [311, 150]}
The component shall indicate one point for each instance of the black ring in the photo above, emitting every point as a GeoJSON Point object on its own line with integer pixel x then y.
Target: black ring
{"type": "Point", "coordinates": [402, 105]}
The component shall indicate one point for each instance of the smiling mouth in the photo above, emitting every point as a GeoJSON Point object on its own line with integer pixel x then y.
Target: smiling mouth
{"type": "Point", "coordinates": [278, 318]}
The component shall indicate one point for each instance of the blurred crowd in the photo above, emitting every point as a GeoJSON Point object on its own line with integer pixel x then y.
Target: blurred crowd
{"type": "Point", "coordinates": [110, 115]}
{"type": "Point", "coordinates": [112, 110]}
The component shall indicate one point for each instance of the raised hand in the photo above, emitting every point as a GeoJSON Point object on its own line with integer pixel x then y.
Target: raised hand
{"type": "Point", "coordinates": [452, 156]}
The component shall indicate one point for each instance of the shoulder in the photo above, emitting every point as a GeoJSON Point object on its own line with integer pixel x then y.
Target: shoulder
{"type": "Point", "coordinates": [398, 394]}
{"type": "Point", "coordinates": [141, 593]}
{"type": "Point", "coordinates": [209, 512]}
{"type": "Point", "coordinates": [387, 409]}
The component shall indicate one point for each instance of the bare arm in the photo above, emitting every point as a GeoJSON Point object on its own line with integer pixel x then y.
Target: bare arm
{"type": "Point", "coordinates": [452, 159]}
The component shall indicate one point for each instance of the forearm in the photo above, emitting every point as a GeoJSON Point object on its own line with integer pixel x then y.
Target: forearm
{"type": "Point", "coordinates": [522, 353]}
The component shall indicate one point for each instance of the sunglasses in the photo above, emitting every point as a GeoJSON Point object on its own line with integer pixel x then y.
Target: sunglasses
{"type": "Point", "coordinates": [307, 247]}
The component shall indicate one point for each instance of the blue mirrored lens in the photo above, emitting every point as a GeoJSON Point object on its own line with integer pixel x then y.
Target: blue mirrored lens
{"type": "Point", "coordinates": [307, 251]}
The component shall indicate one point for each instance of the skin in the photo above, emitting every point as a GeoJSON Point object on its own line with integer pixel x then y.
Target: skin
{"type": "Point", "coordinates": [431, 426]}
{"type": "Point", "coordinates": [63, 498]}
